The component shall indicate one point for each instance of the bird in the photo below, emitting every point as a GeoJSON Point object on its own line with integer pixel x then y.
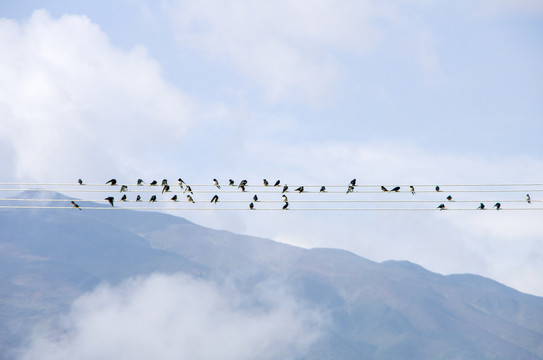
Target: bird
{"type": "Point", "coordinates": [166, 188]}
{"type": "Point", "coordinates": [265, 182]}
{"type": "Point", "coordinates": [277, 183]}
{"type": "Point", "coordinates": [285, 206]}
{"type": "Point", "coordinates": [441, 207]}
{"type": "Point", "coordinates": [255, 198]}
{"type": "Point", "coordinates": [190, 199]}
{"type": "Point", "coordinates": [300, 189]}
{"type": "Point", "coordinates": [481, 206]}
{"type": "Point", "coordinates": [80, 182]}
{"type": "Point", "coordinates": [75, 205]}
{"type": "Point", "coordinates": [164, 182]}
{"type": "Point", "coordinates": [285, 188]}
{"type": "Point", "coordinates": [497, 206]}
{"type": "Point", "coordinates": [396, 189]}
{"type": "Point", "coordinates": [353, 182]}
{"type": "Point", "coordinates": [323, 189]}
{"type": "Point", "coordinates": [384, 188]}
{"type": "Point", "coordinates": [350, 189]}
{"type": "Point", "coordinates": [242, 183]}
{"type": "Point", "coordinates": [189, 189]}
{"type": "Point", "coordinates": [230, 182]}
{"type": "Point", "coordinates": [528, 200]}
{"type": "Point", "coordinates": [140, 182]}
{"type": "Point", "coordinates": [153, 183]}
{"type": "Point", "coordinates": [138, 198]}
{"type": "Point", "coordinates": [251, 206]}
{"type": "Point", "coordinates": [112, 182]}
{"type": "Point", "coordinates": [285, 198]}
{"type": "Point", "coordinates": [110, 200]}
{"type": "Point", "coordinates": [437, 188]}
{"type": "Point", "coordinates": [124, 188]}
{"type": "Point", "coordinates": [180, 182]}
{"type": "Point", "coordinates": [449, 198]}
{"type": "Point", "coordinates": [216, 183]}
{"type": "Point", "coordinates": [214, 199]}
{"type": "Point", "coordinates": [153, 198]}
{"type": "Point", "coordinates": [242, 187]}
{"type": "Point", "coordinates": [412, 189]}
{"type": "Point", "coordinates": [123, 198]}
{"type": "Point", "coordinates": [174, 198]}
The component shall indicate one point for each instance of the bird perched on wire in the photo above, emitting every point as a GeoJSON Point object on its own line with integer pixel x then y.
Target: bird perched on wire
{"type": "Point", "coordinates": [80, 182]}
{"type": "Point", "coordinates": [190, 199]}
{"type": "Point", "coordinates": [180, 182]}
{"type": "Point", "coordinates": [214, 199]}
{"type": "Point", "coordinates": [230, 182]}
{"type": "Point", "coordinates": [164, 182]}
{"type": "Point", "coordinates": [153, 198]}
{"type": "Point", "coordinates": [481, 206]}
{"type": "Point", "coordinates": [323, 189]}
{"type": "Point", "coordinates": [189, 189]}
{"type": "Point", "coordinates": [437, 188]}
{"type": "Point", "coordinates": [384, 188]}
{"type": "Point", "coordinates": [216, 183]}
{"type": "Point", "coordinates": [441, 207]}
{"type": "Point", "coordinates": [124, 188]}
{"type": "Point", "coordinates": [251, 206]}
{"type": "Point", "coordinates": [285, 198]}
{"type": "Point", "coordinates": [110, 200]}
{"type": "Point", "coordinates": [277, 183]}
{"type": "Point", "coordinates": [75, 205]}
{"type": "Point", "coordinates": [285, 188]}
{"type": "Point", "coordinates": [449, 198]}
{"type": "Point", "coordinates": [353, 182]}
{"type": "Point", "coordinates": [497, 206]}
{"type": "Point", "coordinates": [174, 198]}
{"type": "Point", "coordinates": [285, 206]}
{"type": "Point", "coordinates": [265, 182]}
{"type": "Point", "coordinates": [255, 198]}
{"type": "Point", "coordinates": [123, 198]}
{"type": "Point", "coordinates": [242, 183]}
{"type": "Point", "coordinates": [300, 189]}
{"type": "Point", "coordinates": [350, 189]}
{"type": "Point", "coordinates": [528, 200]}
{"type": "Point", "coordinates": [154, 183]}
{"type": "Point", "coordinates": [112, 182]}
{"type": "Point", "coordinates": [412, 189]}
{"type": "Point", "coordinates": [166, 188]}
{"type": "Point", "coordinates": [139, 182]}
{"type": "Point", "coordinates": [396, 189]}
{"type": "Point", "coordinates": [242, 187]}
{"type": "Point", "coordinates": [138, 198]}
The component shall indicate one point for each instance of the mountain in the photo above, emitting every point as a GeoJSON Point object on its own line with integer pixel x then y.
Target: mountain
{"type": "Point", "coordinates": [389, 310]}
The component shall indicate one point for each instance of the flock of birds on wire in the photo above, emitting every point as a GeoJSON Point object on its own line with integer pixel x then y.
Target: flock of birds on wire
{"type": "Point", "coordinates": [166, 188]}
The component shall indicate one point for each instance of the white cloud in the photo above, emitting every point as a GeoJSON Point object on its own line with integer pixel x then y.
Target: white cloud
{"type": "Point", "coordinates": [178, 317]}
{"type": "Point", "coordinates": [72, 103]}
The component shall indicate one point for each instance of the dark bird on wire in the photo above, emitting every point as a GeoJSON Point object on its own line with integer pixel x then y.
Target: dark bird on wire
{"type": "Point", "coordinates": [277, 183]}
{"type": "Point", "coordinates": [112, 182]}
{"type": "Point", "coordinates": [138, 198]}
{"type": "Point", "coordinates": [384, 188]}
{"type": "Point", "coordinates": [437, 188]}
{"type": "Point", "coordinates": [350, 189]}
{"type": "Point", "coordinates": [214, 199]}
{"type": "Point", "coordinates": [174, 198]}
{"type": "Point", "coordinates": [412, 189]}
{"type": "Point", "coordinates": [154, 183]}
{"type": "Point", "coordinates": [449, 198]}
{"type": "Point", "coordinates": [180, 182]}
{"type": "Point", "coordinates": [528, 200]}
{"type": "Point", "coordinates": [481, 206]}
{"type": "Point", "coordinates": [190, 199]}
{"type": "Point", "coordinates": [80, 182]}
{"type": "Point", "coordinates": [124, 188]}
{"type": "Point", "coordinates": [255, 198]}
{"type": "Point", "coordinates": [497, 206]}
{"type": "Point", "coordinates": [230, 182]}
{"type": "Point", "coordinates": [396, 189]}
{"type": "Point", "coordinates": [242, 183]}
{"type": "Point", "coordinates": [110, 200]}
{"type": "Point", "coordinates": [242, 187]}
{"type": "Point", "coordinates": [353, 182]}
{"type": "Point", "coordinates": [441, 207]}
{"type": "Point", "coordinates": [300, 189]}
{"type": "Point", "coordinates": [285, 198]}
{"type": "Point", "coordinates": [166, 188]}
{"type": "Point", "coordinates": [323, 189]}
{"type": "Point", "coordinates": [75, 205]}
{"type": "Point", "coordinates": [265, 182]}
{"type": "Point", "coordinates": [285, 206]}
{"type": "Point", "coordinates": [153, 198]}
{"type": "Point", "coordinates": [123, 198]}
{"type": "Point", "coordinates": [216, 183]}
{"type": "Point", "coordinates": [164, 182]}
{"type": "Point", "coordinates": [285, 188]}
{"type": "Point", "coordinates": [189, 189]}
{"type": "Point", "coordinates": [251, 206]}
{"type": "Point", "coordinates": [140, 182]}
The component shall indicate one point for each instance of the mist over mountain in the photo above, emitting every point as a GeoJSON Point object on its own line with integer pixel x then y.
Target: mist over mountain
{"type": "Point", "coordinates": [308, 303]}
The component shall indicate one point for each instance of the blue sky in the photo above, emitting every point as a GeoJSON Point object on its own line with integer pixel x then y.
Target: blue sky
{"type": "Point", "coordinates": [308, 92]}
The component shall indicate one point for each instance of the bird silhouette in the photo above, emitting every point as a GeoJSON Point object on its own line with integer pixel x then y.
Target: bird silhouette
{"type": "Point", "coordinates": [449, 198]}
{"type": "Point", "coordinates": [285, 188]}
{"type": "Point", "coordinates": [255, 198]}
{"type": "Point", "coordinates": [110, 200]}
{"type": "Point", "coordinates": [412, 189]}
{"type": "Point", "coordinates": [323, 189]}
{"type": "Point", "coordinates": [166, 188]}
{"type": "Point", "coordinates": [300, 189]}
{"type": "Point", "coordinates": [441, 207]}
{"type": "Point", "coordinates": [75, 205]}
{"type": "Point", "coordinates": [242, 183]}
{"type": "Point", "coordinates": [216, 183]}
{"type": "Point", "coordinates": [154, 183]}
{"type": "Point", "coordinates": [180, 182]}
{"type": "Point", "coordinates": [497, 206]}
{"type": "Point", "coordinates": [384, 188]}
{"type": "Point", "coordinates": [231, 182]}
{"type": "Point", "coordinates": [123, 198]}
{"type": "Point", "coordinates": [138, 198]}
{"type": "Point", "coordinates": [164, 182]}
{"type": "Point", "coordinates": [214, 199]}
{"type": "Point", "coordinates": [277, 183]}
{"type": "Point", "coordinates": [396, 189]}
{"type": "Point", "coordinates": [481, 206]}
{"type": "Point", "coordinates": [528, 200]}
{"type": "Point", "coordinates": [112, 182]}
{"type": "Point", "coordinates": [140, 182]}
{"type": "Point", "coordinates": [285, 206]}
{"type": "Point", "coordinates": [437, 188]}
{"type": "Point", "coordinates": [124, 188]}
{"type": "Point", "coordinates": [190, 199]}
{"type": "Point", "coordinates": [265, 182]}
{"type": "Point", "coordinates": [285, 198]}
{"type": "Point", "coordinates": [153, 198]}
{"type": "Point", "coordinates": [189, 189]}
{"type": "Point", "coordinates": [80, 182]}
{"type": "Point", "coordinates": [251, 206]}
{"type": "Point", "coordinates": [174, 198]}
{"type": "Point", "coordinates": [353, 182]}
{"type": "Point", "coordinates": [350, 189]}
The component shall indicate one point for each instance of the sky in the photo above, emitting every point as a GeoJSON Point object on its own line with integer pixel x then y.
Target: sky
{"type": "Point", "coordinates": [309, 92]}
